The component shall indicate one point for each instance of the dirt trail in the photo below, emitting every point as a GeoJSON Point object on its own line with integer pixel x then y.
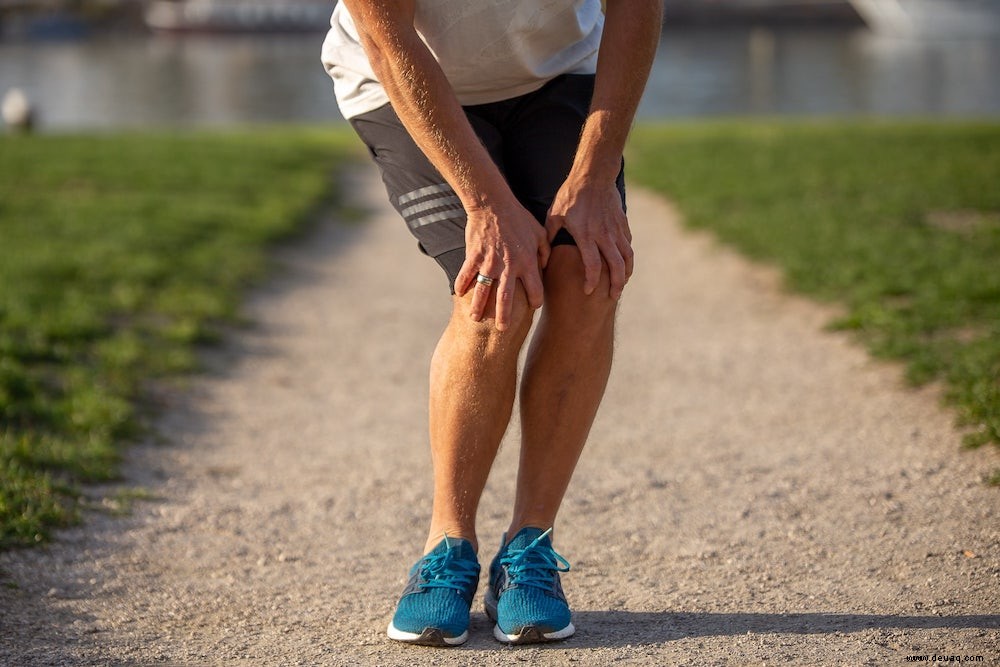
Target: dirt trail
{"type": "Point", "coordinates": [756, 490]}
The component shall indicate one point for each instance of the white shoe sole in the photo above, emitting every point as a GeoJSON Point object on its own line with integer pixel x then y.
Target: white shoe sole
{"type": "Point", "coordinates": [532, 635]}
{"type": "Point", "coordinates": [429, 637]}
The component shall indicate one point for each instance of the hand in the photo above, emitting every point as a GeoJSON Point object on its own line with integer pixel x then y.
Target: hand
{"type": "Point", "coordinates": [592, 212]}
{"type": "Point", "coordinates": [507, 244]}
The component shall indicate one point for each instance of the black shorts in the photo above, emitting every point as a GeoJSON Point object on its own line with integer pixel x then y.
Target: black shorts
{"type": "Point", "coordinates": [532, 138]}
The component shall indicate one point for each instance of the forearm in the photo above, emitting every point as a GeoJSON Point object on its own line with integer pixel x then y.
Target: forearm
{"type": "Point", "coordinates": [426, 104]}
{"type": "Point", "coordinates": [628, 46]}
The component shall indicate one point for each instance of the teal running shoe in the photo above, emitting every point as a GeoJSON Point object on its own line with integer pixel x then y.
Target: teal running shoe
{"type": "Point", "coordinates": [525, 598]}
{"type": "Point", "coordinates": [434, 607]}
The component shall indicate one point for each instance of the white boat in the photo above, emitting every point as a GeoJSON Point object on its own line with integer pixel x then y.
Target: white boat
{"type": "Point", "coordinates": [931, 17]}
{"type": "Point", "coordinates": [238, 15]}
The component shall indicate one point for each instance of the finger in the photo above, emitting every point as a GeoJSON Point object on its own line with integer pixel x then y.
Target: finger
{"type": "Point", "coordinates": [467, 274]}
{"type": "Point", "coordinates": [591, 267]}
{"type": "Point", "coordinates": [625, 247]}
{"type": "Point", "coordinates": [533, 288]}
{"type": "Point", "coordinates": [616, 269]}
{"type": "Point", "coordinates": [480, 300]}
{"type": "Point", "coordinates": [629, 256]}
{"type": "Point", "coordinates": [505, 300]}
{"type": "Point", "coordinates": [544, 252]}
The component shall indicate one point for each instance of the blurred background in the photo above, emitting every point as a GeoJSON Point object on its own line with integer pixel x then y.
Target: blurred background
{"type": "Point", "coordinates": [123, 252]}
{"type": "Point", "coordinates": [93, 64]}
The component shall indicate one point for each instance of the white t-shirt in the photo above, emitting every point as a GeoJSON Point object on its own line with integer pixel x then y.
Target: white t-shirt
{"type": "Point", "coordinates": [490, 50]}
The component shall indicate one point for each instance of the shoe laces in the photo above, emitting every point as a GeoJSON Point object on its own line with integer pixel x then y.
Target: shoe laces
{"type": "Point", "coordinates": [534, 565]}
{"type": "Point", "coordinates": [448, 570]}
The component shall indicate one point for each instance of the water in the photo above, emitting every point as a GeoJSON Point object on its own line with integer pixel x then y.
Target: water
{"type": "Point", "coordinates": [821, 72]}
{"type": "Point", "coordinates": [139, 81]}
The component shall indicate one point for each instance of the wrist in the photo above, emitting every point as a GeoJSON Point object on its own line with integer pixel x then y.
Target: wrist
{"type": "Point", "coordinates": [486, 199]}
{"type": "Point", "coordinates": [599, 155]}
{"type": "Point", "coordinates": [594, 176]}
{"type": "Point", "coordinates": [590, 169]}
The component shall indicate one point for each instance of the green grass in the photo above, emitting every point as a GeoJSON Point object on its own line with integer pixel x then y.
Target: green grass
{"type": "Point", "coordinates": [119, 255]}
{"type": "Point", "coordinates": [899, 222]}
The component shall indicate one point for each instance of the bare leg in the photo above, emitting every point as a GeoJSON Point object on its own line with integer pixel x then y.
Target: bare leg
{"type": "Point", "coordinates": [473, 379]}
{"type": "Point", "coordinates": [564, 379]}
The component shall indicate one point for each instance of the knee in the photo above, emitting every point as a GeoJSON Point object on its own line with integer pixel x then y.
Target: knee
{"type": "Point", "coordinates": [564, 295]}
{"type": "Point", "coordinates": [484, 334]}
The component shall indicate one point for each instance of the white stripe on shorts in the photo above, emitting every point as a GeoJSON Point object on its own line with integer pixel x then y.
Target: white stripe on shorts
{"type": "Point", "coordinates": [436, 217]}
{"type": "Point", "coordinates": [423, 192]}
{"type": "Point", "coordinates": [429, 204]}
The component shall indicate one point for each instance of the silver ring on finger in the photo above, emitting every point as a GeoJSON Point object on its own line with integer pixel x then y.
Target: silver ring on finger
{"type": "Point", "coordinates": [484, 280]}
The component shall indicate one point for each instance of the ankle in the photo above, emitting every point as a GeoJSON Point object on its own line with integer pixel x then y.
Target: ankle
{"type": "Point", "coordinates": [435, 536]}
{"type": "Point", "coordinates": [517, 526]}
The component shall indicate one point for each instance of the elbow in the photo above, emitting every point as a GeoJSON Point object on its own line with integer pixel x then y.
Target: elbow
{"type": "Point", "coordinates": [377, 57]}
{"type": "Point", "coordinates": [391, 60]}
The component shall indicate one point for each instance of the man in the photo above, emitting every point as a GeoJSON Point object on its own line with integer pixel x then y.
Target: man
{"type": "Point", "coordinates": [499, 133]}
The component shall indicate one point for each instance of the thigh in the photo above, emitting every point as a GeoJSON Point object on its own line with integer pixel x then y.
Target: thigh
{"type": "Point", "coordinates": [416, 189]}
{"type": "Point", "coordinates": [431, 209]}
{"type": "Point", "coordinates": [540, 141]}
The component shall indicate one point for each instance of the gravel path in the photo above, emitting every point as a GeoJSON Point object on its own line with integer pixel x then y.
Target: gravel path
{"type": "Point", "coordinates": [756, 490]}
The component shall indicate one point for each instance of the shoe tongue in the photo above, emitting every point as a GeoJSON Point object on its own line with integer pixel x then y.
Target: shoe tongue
{"type": "Point", "coordinates": [528, 535]}
{"type": "Point", "coordinates": [465, 550]}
